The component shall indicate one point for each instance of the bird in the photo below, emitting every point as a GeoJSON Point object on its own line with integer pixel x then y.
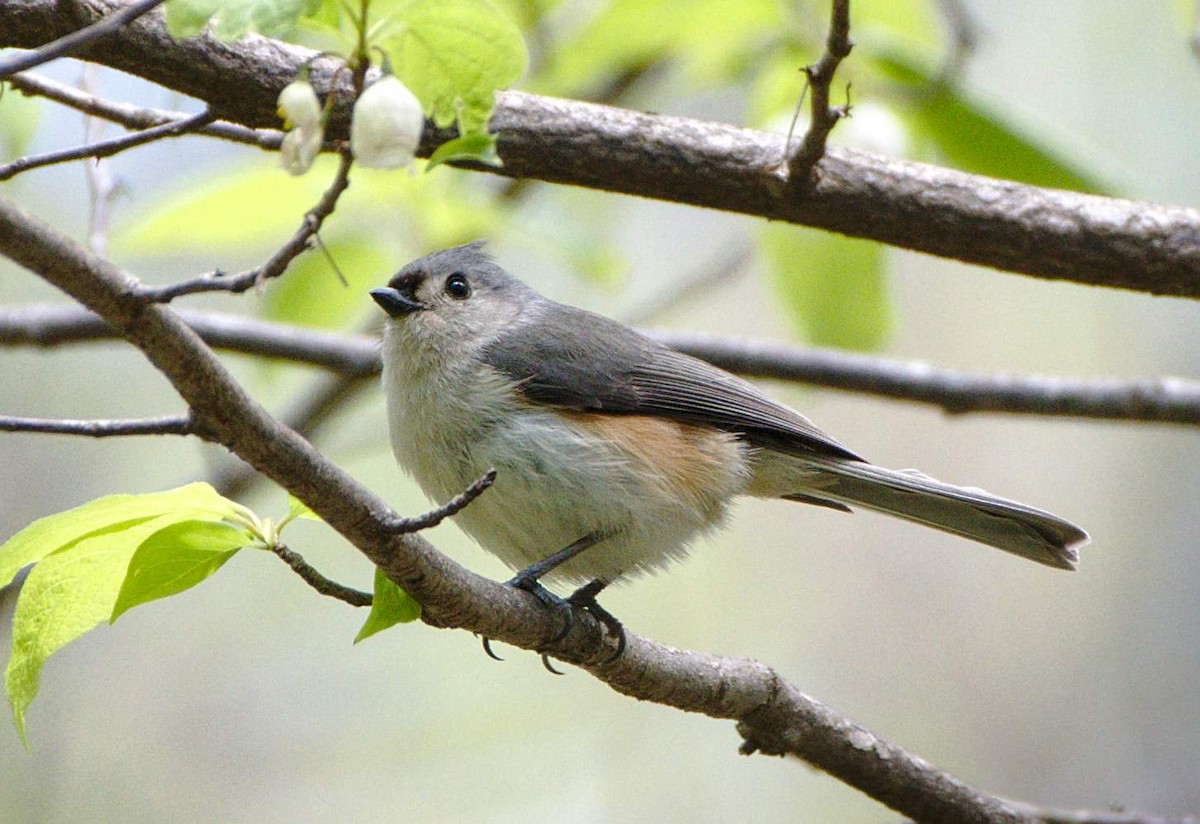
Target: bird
{"type": "Point", "coordinates": [612, 452]}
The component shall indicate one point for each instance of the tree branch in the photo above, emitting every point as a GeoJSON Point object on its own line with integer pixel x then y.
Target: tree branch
{"type": "Point", "coordinates": [315, 405]}
{"type": "Point", "coordinates": [774, 716]}
{"type": "Point", "coordinates": [171, 425]}
{"type": "Point", "coordinates": [76, 40]}
{"type": "Point", "coordinates": [803, 161]}
{"type": "Point", "coordinates": [447, 510]}
{"type": "Point", "coordinates": [319, 582]}
{"type": "Point", "coordinates": [278, 262]}
{"type": "Point", "coordinates": [108, 148]}
{"type": "Point", "coordinates": [1040, 232]}
{"type": "Point", "coordinates": [1151, 400]}
{"type": "Point", "coordinates": [1161, 400]}
{"type": "Point", "coordinates": [135, 117]}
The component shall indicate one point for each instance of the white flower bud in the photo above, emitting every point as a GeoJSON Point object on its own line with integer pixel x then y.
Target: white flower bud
{"type": "Point", "coordinates": [299, 149]}
{"type": "Point", "coordinates": [385, 129]}
{"type": "Point", "coordinates": [298, 106]}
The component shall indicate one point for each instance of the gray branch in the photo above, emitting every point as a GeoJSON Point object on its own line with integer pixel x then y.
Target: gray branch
{"type": "Point", "coordinates": [1152, 400]}
{"type": "Point", "coordinates": [1040, 232]}
{"type": "Point", "coordinates": [278, 263]}
{"type": "Point", "coordinates": [135, 117]}
{"type": "Point", "coordinates": [108, 148]}
{"type": "Point", "coordinates": [171, 425]}
{"type": "Point", "coordinates": [773, 716]}
{"type": "Point", "coordinates": [800, 165]}
{"type": "Point", "coordinates": [75, 40]}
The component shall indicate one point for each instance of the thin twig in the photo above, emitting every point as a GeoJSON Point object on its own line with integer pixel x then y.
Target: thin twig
{"type": "Point", "coordinates": [278, 262]}
{"type": "Point", "coordinates": [319, 582]}
{"type": "Point", "coordinates": [452, 507]}
{"type": "Point", "coordinates": [169, 425]}
{"type": "Point", "coordinates": [819, 79]}
{"type": "Point", "coordinates": [76, 40]}
{"type": "Point", "coordinates": [56, 325]}
{"type": "Point", "coordinates": [1159, 399]}
{"type": "Point", "coordinates": [107, 148]}
{"type": "Point", "coordinates": [136, 117]}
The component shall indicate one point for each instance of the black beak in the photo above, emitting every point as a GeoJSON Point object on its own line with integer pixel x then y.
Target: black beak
{"type": "Point", "coordinates": [395, 302]}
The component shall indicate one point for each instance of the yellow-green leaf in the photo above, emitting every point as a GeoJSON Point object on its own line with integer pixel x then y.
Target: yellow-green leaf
{"type": "Point", "coordinates": [111, 513]}
{"type": "Point", "coordinates": [391, 606]}
{"type": "Point", "coordinates": [67, 594]}
{"type": "Point", "coordinates": [176, 558]}
{"type": "Point", "coordinates": [453, 54]}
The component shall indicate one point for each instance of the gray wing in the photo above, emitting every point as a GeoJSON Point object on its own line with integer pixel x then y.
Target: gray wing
{"type": "Point", "coordinates": [583, 361]}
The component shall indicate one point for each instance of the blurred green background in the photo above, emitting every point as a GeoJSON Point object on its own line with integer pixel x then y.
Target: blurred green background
{"type": "Point", "coordinates": [244, 700]}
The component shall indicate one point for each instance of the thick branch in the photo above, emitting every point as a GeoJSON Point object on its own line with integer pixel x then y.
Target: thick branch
{"type": "Point", "coordinates": [770, 711]}
{"type": "Point", "coordinates": [74, 41]}
{"type": "Point", "coordinates": [1040, 232]}
{"type": "Point", "coordinates": [1160, 400]}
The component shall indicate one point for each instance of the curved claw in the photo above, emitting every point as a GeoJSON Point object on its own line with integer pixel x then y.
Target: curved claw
{"type": "Point", "coordinates": [546, 663]}
{"type": "Point", "coordinates": [487, 647]}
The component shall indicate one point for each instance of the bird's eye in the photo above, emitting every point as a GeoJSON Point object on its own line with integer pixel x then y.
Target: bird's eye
{"type": "Point", "coordinates": [457, 286]}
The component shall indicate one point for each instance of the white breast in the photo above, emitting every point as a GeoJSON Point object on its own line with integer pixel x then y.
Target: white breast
{"type": "Point", "coordinates": [557, 481]}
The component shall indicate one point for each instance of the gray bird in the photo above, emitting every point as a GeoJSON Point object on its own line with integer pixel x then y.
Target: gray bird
{"type": "Point", "coordinates": [613, 452]}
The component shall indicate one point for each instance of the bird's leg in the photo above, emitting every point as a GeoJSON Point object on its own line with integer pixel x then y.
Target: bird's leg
{"type": "Point", "coordinates": [585, 598]}
{"type": "Point", "coordinates": [528, 579]}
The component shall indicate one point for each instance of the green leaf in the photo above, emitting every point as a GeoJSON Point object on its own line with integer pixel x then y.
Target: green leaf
{"type": "Point", "coordinates": [833, 287]}
{"type": "Point", "coordinates": [114, 513]}
{"type": "Point", "coordinates": [477, 146]}
{"type": "Point", "coordinates": [175, 559]}
{"type": "Point", "coordinates": [231, 19]}
{"type": "Point", "coordinates": [392, 605]}
{"type": "Point", "coordinates": [65, 595]}
{"type": "Point", "coordinates": [453, 54]}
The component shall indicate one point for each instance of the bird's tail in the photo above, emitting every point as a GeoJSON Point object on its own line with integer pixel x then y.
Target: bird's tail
{"type": "Point", "coordinates": [972, 513]}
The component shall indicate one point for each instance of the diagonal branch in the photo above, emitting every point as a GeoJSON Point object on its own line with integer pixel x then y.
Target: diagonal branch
{"type": "Point", "coordinates": [278, 262]}
{"type": "Point", "coordinates": [1151, 400]}
{"type": "Point", "coordinates": [1040, 232]}
{"type": "Point", "coordinates": [74, 41]}
{"type": "Point", "coordinates": [773, 715]}
{"type": "Point", "coordinates": [323, 585]}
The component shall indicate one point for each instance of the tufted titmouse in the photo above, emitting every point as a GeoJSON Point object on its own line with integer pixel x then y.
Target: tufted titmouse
{"type": "Point", "coordinates": [613, 452]}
